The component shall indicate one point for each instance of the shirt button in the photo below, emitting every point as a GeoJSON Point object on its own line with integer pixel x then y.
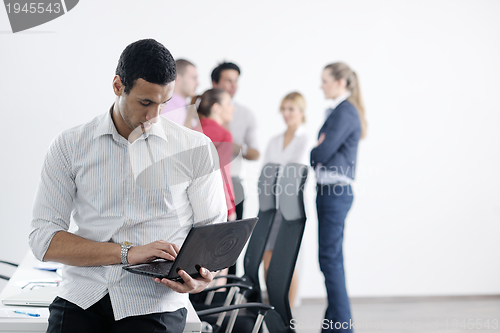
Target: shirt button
{"type": "Point", "coordinates": [110, 285]}
{"type": "Point", "coordinates": [130, 201]}
{"type": "Point", "coordinates": [128, 222]}
{"type": "Point", "coordinates": [131, 175]}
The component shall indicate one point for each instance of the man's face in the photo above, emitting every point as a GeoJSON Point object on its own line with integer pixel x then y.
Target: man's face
{"type": "Point", "coordinates": [228, 81]}
{"type": "Point", "coordinates": [188, 81]}
{"type": "Point", "coordinates": [141, 106]}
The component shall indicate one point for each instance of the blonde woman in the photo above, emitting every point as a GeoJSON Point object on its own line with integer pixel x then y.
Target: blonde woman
{"type": "Point", "coordinates": [292, 146]}
{"type": "Point", "coordinates": [334, 160]}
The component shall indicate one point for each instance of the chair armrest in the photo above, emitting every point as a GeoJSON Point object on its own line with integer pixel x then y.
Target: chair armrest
{"type": "Point", "coordinates": [262, 306]}
{"type": "Point", "coordinates": [231, 277]}
{"type": "Point", "coordinates": [4, 277]}
{"type": "Point", "coordinates": [8, 263]}
{"type": "Point", "coordinates": [229, 285]}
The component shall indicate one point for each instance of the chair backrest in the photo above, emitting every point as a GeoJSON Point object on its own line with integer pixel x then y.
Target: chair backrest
{"type": "Point", "coordinates": [286, 248]}
{"type": "Point", "coordinates": [257, 243]}
{"type": "Point", "coordinates": [4, 277]}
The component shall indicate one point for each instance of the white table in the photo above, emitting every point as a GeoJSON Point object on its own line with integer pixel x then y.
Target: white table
{"type": "Point", "coordinates": [27, 272]}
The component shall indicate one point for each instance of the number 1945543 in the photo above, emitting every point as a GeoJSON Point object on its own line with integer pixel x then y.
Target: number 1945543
{"type": "Point", "coordinates": [33, 7]}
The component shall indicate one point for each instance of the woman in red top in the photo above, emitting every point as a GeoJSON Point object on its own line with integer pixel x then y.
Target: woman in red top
{"type": "Point", "coordinates": [215, 109]}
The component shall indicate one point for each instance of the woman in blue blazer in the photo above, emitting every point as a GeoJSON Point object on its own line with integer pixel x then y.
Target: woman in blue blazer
{"type": "Point", "coordinates": [334, 160]}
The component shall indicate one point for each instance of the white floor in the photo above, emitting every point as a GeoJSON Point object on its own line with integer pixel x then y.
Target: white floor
{"type": "Point", "coordinates": [409, 314]}
{"type": "Point", "coordinates": [403, 314]}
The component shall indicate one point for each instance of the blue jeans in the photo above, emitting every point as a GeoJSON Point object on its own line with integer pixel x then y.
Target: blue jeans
{"type": "Point", "coordinates": [333, 203]}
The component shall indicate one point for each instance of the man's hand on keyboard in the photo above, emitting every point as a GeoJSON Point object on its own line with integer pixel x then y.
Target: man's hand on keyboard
{"type": "Point", "coordinates": [152, 251]}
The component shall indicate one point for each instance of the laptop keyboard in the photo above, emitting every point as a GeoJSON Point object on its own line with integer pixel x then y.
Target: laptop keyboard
{"type": "Point", "coordinates": [159, 267]}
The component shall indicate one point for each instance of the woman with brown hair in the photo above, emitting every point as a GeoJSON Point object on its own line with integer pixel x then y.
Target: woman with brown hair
{"type": "Point", "coordinates": [334, 160]}
{"type": "Point", "coordinates": [215, 109]}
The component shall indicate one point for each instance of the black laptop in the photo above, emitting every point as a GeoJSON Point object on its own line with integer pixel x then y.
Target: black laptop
{"type": "Point", "coordinates": [214, 246]}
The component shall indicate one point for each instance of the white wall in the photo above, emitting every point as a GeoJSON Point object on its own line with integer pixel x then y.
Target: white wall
{"type": "Point", "coordinates": [426, 215]}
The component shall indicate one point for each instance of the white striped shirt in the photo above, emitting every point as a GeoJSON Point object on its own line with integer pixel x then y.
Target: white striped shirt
{"type": "Point", "coordinates": [90, 174]}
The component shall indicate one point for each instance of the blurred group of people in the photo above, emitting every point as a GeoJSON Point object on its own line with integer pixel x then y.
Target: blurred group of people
{"type": "Point", "coordinates": [232, 128]}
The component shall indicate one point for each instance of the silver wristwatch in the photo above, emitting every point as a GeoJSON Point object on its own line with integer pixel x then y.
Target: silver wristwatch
{"type": "Point", "coordinates": [244, 149]}
{"type": "Point", "coordinates": [124, 253]}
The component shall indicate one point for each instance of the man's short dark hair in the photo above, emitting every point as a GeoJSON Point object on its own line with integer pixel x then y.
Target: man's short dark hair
{"type": "Point", "coordinates": [181, 65]}
{"type": "Point", "coordinates": [216, 73]}
{"type": "Point", "coordinates": [146, 59]}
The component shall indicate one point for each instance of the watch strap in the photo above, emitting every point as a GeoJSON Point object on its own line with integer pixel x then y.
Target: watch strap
{"type": "Point", "coordinates": [124, 252]}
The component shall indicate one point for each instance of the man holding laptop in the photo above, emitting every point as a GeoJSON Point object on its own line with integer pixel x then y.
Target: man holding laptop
{"type": "Point", "coordinates": [88, 176]}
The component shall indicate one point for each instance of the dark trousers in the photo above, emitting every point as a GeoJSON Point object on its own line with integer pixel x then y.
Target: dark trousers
{"type": "Point", "coordinates": [239, 210]}
{"type": "Point", "coordinates": [66, 317]}
{"type": "Point", "coordinates": [239, 216]}
{"type": "Point", "coordinates": [239, 196]}
{"type": "Point", "coordinates": [333, 203]}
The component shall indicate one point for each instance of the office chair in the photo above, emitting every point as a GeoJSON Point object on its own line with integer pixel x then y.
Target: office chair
{"type": "Point", "coordinates": [248, 284]}
{"type": "Point", "coordinates": [257, 243]}
{"type": "Point", "coordinates": [277, 314]}
{"type": "Point", "coordinates": [4, 277]}
{"type": "Point", "coordinates": [286, 249]}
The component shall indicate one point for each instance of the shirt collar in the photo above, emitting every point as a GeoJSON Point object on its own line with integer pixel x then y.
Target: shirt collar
{"type": "Point", "coordinates": [300, 130]}
{"type": "Point", "coordinates": [336, 102]}
{"type": "Point", "coordinates": [157, 130]}
{"type": "Point", "coordinates": [340, 99]}
{"type": "Point", "coordinates": [107, 126]}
